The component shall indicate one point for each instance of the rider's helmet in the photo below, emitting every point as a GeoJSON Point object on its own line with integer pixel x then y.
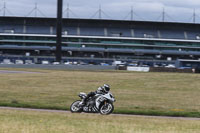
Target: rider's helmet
{"type": "Point", "coordinates": [106, 88]}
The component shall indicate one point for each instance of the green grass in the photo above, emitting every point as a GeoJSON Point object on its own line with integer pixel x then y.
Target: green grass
{"type": "Point", "coordinates": [171, 94]}
{"type": "Point", "coordinates": [13, 121]}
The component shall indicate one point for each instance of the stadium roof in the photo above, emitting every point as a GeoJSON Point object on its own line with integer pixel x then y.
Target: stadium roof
{"type": "Point", "coordinates": [81, 20]}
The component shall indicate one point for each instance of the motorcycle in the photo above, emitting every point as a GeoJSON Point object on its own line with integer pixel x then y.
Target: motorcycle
{"type": "Point", "coordinates": [100, 103]}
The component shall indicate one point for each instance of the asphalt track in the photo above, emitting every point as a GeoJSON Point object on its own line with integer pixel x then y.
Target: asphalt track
{"type": "Point", "coordinates": [68, 112]}
{"type": "Point", "coordinates": [8, 71]}
{"type": "Point", "coordinates": [59, 67]}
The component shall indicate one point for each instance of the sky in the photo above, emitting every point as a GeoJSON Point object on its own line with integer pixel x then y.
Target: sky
{"type": "Point", "coordinates": [147, 10]}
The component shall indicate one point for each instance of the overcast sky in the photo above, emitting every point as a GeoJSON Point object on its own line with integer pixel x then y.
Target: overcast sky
{"type": "Point", "coordinates": [175, 10]}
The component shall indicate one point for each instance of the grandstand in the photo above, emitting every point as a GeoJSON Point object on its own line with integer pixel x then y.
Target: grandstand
{"type": "Point", "coordinates": [98, 40]}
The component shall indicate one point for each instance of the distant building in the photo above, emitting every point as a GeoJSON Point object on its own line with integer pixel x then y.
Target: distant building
{"type": "Point", "coordinates": [195, 64]}
{"type": "Point", "coordinates": [97, 40]}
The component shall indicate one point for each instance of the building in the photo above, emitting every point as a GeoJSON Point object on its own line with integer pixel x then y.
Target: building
{"type": "Point", "coordinates": [98, 40]}
{"type": "Point", "coordinates": [188, 64]}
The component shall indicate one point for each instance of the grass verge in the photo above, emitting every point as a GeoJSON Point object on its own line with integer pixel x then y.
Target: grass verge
{"type": "Point", "coordinates": [171, 94]}
{"type": "Point", "coordinates": [13, 121]}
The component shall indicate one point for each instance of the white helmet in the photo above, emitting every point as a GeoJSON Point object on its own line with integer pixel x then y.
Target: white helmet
{"type": "Point", "coordinates": [106, 88]}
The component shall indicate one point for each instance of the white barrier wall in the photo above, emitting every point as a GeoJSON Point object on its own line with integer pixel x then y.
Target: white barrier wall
{"type": "Point", "coordinates": [139, 69]}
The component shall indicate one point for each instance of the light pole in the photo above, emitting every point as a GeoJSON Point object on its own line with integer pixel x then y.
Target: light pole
{"type": "Point", "coordinates": [59, 31]}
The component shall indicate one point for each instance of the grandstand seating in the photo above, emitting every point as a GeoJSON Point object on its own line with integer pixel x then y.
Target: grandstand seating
{"type": "Point", "coordinates": [86, 36]}
{"type": "Point", "coordinates": [37, 30]}
{"type": "Point", "coordinates": [93, 49]}
{"type": "Point", "coordinates": [174, 52]}
{"type": "Point", "coordinates": [145, 33]}
{"type": "Point", "coordinates": [27, 47]}
{"type": "Point", "coordinates": [192, 35]}
{"type": "Point", "coordinates": [8, 28]}
{"type": "Point", "coordinates": [70, 30]}
{"type": "Point", "coordinates": [39, 27]}
{"type": "Point", "coordinates": [119, 32]}
{"type": "Point", "coordinates": [193, 53]}
{"type": "Point", "coordinates": [87, 31]}
{"type": "Point", "coordinates": [83, 49]}
{"type": "Point", "coordinates": [172, 34]}
{"type": "Point", "coordinates": [147, 51]}
{"type": "Point", "coordinates": [120, 50]}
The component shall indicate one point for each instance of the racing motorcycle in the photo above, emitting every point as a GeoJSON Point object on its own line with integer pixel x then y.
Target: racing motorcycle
{"type": "Point", "coordinates": [100, 103]}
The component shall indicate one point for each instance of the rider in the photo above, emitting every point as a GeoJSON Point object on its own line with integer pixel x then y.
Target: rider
{"type": "Point", "coordinates": [101, 90]}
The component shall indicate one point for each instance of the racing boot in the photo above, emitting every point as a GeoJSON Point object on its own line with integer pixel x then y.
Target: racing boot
{"type": "Point", "coordinates": [83, 102]}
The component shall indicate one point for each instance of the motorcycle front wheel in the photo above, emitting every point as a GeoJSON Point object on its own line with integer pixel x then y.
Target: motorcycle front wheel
{"type": "Point", "coordinates": [106, 109]}
{"type": "Point", "coordinates": [75, 108]}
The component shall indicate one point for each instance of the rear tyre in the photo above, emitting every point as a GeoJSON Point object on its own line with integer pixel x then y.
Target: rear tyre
{"type": "Point", "coordinates": [75, 108]}
{"type": "Point", "coordinates": [106, 109]}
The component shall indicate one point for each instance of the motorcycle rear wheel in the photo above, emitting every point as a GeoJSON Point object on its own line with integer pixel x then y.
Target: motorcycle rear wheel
{"type": "Point", "coordinates": [106, 109]}
{"type": "Point", "coordinates": [75, 108]}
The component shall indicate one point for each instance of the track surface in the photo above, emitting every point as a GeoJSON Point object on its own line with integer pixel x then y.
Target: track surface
{"type": "Point", "coordinates": [59, 67]}
{"type": "Point", "coordinates": [63, 111]}
{"type": "Point", "coordinates": [8, 71]}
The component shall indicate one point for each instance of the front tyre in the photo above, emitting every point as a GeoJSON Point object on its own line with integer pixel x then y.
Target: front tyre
{"type": "Point", "coordinates": [106, 109]}
{"type": "Point", "coordinates": [75, 108]}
